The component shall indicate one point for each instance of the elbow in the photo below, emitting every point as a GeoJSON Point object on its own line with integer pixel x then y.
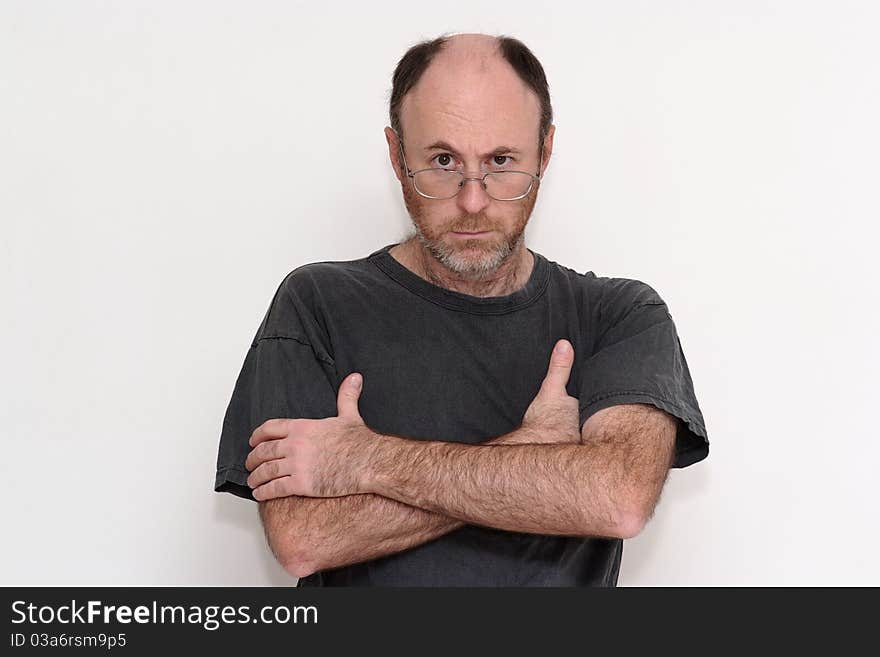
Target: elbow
{"type": "Point", "coordinates": [631, 518]}
{"type": "Point", "coordinates": [622, 522]}
{"type": "Point", "coordinates": [299, 567]}
{"type": "Point", "coordinates": [295, 560]}
{"type": "Point", "coordinates": [287, 541]}
{"type": "Point", "coordinates": [298, 561]}
{"type": "Point", "coordinates": [630, 524]}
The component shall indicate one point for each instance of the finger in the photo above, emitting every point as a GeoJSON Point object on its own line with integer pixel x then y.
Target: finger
{"type": "Point", "coordinates": [280, 487]}
{"type": "Point", "coordinates": [561, 360]}
{"type": "Point", "coordinates": [267, 472]}
{"type": "Point", "coordinates": [275, 428]}
{"type": "Point", "coordinates": [348, 395]}
{"type": "Point", "coordinates": [265, 451]}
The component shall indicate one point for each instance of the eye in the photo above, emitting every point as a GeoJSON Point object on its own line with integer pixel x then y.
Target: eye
{"type": "Point", "coordinates": [443, 160]}
{"type": "Point", "coordinates": [499, 160]}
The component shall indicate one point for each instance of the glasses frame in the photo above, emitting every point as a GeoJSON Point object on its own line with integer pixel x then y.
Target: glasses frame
{"type": "Point", "coordinates": [464, 179]}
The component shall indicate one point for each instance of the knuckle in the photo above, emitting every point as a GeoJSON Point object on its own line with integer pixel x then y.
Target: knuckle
{"type": "Point", "coordinates": [295, 425]}
{"type": "Point", "coordinates": [278, 424]}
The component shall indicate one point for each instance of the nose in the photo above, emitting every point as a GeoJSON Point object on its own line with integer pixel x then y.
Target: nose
{"type": "Point", "coordinates": [472, 197]}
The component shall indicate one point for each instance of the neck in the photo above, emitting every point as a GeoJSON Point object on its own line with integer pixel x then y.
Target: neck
{"type": "Point", "coordinates": [508, 277]}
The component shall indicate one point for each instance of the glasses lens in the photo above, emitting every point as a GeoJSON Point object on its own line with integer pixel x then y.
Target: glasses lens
{"type": "Point", "coordinates": [437, 183]}
{"type": "Point", "coordinates": [507, 185]}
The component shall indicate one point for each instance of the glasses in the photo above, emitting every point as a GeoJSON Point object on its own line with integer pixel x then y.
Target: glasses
{"type": "Point", "coordinates": [440, 183]}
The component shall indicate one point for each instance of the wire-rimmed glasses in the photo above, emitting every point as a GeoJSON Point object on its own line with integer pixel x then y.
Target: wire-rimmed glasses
{"type": "Point", "coordinates": [439, 183]}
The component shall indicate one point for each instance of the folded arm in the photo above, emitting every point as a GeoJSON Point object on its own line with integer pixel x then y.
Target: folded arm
{"type": "Point", "coordinates": [309, 534]}
{"type": "Point", "coordinates": [606, 486]}
{"type": "Point", "coordinates": [546, 477]}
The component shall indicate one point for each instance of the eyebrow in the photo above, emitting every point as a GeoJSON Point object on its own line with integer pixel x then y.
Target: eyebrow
{"type": "Point", "coordinates": [443, 146]}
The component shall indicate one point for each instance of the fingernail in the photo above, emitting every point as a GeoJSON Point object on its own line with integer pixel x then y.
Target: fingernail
{"type": "Point", "coordinates": [356, 380]}
{"type": "Point", "coordinates": [562, 347]}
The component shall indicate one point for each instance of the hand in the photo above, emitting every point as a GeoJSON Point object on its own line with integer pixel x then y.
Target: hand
{"type": "Point", "coordinates": [553, 415]}
{"type": "Point", "coordinates": [314, 458]}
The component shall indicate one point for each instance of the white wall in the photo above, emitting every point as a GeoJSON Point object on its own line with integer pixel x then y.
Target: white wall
{"type": "Point", "coordinates": [164, 164]}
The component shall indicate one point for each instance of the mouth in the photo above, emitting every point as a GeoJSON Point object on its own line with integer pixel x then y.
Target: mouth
{"type": "Point", "coordinates": [471, 233]}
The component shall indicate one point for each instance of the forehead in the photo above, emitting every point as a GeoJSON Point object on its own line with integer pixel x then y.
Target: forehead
{"type": "Point", "coordinates": [472, 102]}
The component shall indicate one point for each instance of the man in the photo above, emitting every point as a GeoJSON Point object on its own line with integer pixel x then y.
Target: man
{"type": "Point", "coordinates": [456, 409]}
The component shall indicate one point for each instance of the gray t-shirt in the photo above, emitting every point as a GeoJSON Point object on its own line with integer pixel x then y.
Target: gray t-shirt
{"type": "Point", "coordinates": [442, 365]}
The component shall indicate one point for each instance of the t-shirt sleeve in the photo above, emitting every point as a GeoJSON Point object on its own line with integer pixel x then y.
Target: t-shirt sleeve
{"type": "Point", "coordinates": [638, 358]}
{"type": "Point", "coordinates": [286, 374]}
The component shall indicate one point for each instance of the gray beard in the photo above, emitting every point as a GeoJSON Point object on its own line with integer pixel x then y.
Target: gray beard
{"type": "Point", "coordinates": [452, 260]}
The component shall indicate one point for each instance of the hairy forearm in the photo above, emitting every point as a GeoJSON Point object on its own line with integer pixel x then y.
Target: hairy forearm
{"type": "Point", "coordinates": [309, 534]}
{"type": "Point", "coordinates": [566, 489]}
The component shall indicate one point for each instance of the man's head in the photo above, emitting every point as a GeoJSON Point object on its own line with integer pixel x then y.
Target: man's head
{"type": "Point", "coordinates": [474, 103]}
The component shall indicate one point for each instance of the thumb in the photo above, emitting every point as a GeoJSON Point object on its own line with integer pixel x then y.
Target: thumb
{"type": "Point", "coordinates": [348, 395]}
{"type": "Point", "coordinates": [561, 360]}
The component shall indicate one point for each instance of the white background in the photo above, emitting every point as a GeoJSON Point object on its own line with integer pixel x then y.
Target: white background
{"type": "Point", "coordinates": [163, 165]}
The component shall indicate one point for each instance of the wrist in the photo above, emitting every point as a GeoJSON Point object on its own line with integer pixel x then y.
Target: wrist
{"type": "Point", "coordinates": [522, 435]}
{"type": "Point", "coordinates": [372, 450]}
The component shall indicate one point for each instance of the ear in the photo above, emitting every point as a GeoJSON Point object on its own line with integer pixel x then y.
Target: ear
{"type": "Point", "coordinates": [394, 153]}
{"type": "Point", "coordinates": [548, 148]}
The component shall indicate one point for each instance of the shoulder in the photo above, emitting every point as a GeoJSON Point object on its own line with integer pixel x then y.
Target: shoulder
{"type": "Point", "coordinates": [607, 296]}
{"type": "Point", "coordinates": [328, 284]}
{"type": "Point", "coordinates": [314, 275]}
{"type": "Point", "coordinates": [619, 297]}
{"type": "Point", "coordinates": [609, 308]}
{"type": "Point", "coordinates": [297, 308]}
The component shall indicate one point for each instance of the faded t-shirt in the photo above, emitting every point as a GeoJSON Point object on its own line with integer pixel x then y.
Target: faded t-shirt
{"type": "Point", "coordinates": [442, 365]}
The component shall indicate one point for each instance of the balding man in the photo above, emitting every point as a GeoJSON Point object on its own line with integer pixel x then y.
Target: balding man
{"type": "Point", "coordinates": [456, 409]}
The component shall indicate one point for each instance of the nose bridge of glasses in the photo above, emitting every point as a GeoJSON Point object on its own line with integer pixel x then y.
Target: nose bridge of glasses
{"type": "Point", "coordinates": [480, 195]}
{"type": "Point", "coordinates": [483, 178]}
{"type": "Point", "coordinates": [480, 178]}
